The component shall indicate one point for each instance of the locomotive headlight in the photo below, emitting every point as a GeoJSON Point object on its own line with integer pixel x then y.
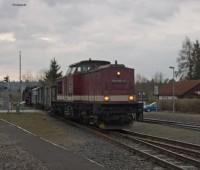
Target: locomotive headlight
{"type": "Point", "coordinates": [131, 98]}
{"type": "Point", "coordinates": [118, 73]}
{"type": "Point", "coordinates": [106, 98]}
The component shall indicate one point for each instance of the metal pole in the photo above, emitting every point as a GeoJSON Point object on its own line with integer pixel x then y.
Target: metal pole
{"type": "Point", "coordinates": [173, 90]}
{"type": "Point", "coordinates": [173, 93]}
{"type": "Point", "coordinates": [8, 87]}
{"type": "Point", "coordinates": [20, 80]}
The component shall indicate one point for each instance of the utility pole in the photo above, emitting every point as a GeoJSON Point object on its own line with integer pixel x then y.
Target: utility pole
{"type": "Point", "coordinates": [6, 79]}
{"type": "Point", "coordinates": [173, 90]}
{"type": "Point", "coordinates": [20, 80]}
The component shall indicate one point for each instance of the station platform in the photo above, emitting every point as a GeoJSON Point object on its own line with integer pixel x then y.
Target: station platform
{"type": "Point", "coordinates": [53, 156]}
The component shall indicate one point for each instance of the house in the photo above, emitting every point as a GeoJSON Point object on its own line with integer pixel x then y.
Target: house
{"type": "Point", "coordinates": [182, 89]}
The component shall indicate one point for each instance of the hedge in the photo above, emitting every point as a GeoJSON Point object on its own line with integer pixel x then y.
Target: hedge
{"type": "Point", "coordinates": [181, 105]}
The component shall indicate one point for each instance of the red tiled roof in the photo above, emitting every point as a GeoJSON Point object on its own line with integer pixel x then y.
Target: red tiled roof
{"type": "Point", "coordinates": [180, 87]}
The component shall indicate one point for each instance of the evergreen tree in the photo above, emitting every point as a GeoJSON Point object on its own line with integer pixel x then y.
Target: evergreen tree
{"type": "Point", "coordinates": [196, 58]}
{"type": "Point", "coordinates": [185, 61]}
{"type": "Point", "coordinates": [53, 73]}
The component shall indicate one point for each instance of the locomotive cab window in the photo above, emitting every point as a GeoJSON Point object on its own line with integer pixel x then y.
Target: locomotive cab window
{"type": "Point", "coordinates": [82, 69]}
{"type": "Point", "coordinates": [79, 69]}
{"type": "Point", "coordinates": [85, 69]}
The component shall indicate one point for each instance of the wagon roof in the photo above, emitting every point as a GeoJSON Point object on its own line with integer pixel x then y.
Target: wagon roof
{"type": "Point", "coordinates": [87, 62]}
{"type": "Point", "coordinates": [36, 88]}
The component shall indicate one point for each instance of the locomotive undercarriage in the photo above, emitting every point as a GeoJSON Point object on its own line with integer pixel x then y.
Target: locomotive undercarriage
{"type": "Point", "coordinates": [100, 114]}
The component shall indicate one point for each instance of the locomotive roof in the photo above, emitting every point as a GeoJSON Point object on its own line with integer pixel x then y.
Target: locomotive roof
{"type": "Point", "coordinates": [88, 62]}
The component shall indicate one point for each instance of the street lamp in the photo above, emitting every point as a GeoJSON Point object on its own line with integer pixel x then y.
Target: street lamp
{"type": "Point", "coordinates": [173, 97]}
{"type": "Point", "coordinates": [20, 74]}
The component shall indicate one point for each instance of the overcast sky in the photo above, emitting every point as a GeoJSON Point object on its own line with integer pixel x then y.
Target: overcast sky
{"type": "Point", "coordinates": [142, 34]}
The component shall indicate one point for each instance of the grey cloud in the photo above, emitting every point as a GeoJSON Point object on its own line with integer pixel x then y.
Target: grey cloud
{"type": "Point", "coordinates": [8, 10]}
{"type": "Point", "coordinates": [61, 2]}
{"type": "Point", "coordinates": [134, 32]}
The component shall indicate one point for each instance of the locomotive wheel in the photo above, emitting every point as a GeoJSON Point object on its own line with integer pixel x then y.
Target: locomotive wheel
{"type": "Point", "coordinates": [51, 113]}
{"type": "Point", "coordinates": [139, 117]}
{"type": "Point", "coordinates": [68, 113]}
{"type": "Point", "coordinates": [101, 125]}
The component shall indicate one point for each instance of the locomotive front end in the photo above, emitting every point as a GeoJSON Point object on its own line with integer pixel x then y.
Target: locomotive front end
{"type": "Point", "coordinates": [115, 100]}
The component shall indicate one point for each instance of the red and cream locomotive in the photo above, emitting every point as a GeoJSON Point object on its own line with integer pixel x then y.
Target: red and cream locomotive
{"type": "Point", "coordinates": [98, 92]}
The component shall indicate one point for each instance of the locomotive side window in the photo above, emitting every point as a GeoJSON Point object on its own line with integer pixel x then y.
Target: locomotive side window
{"type": "Point", "coordinates": [73, 70]}
{"type": "Point", "coordinates": [68, 70]}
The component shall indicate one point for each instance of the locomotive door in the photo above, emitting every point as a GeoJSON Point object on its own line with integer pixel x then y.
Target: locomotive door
{"type": "Point", "coordinates": [70, 87]}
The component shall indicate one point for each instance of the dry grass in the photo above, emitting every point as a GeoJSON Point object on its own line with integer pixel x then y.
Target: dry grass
{"type": "Point", "coordinates": [37, 123]}
{"type": "Point", "coordinates": [47, 127]}
{"type": "Point", "coordinates": [168, 132]}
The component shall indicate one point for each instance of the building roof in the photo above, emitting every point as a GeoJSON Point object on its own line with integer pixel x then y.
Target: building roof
{"type": "Point", "coordinates": [180, 87]}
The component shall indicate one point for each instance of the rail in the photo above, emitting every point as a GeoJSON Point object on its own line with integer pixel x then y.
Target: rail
{"type": "Point", "coordinates": [190, 126]}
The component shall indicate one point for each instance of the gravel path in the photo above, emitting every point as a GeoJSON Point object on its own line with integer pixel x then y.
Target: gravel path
{"type": "Point", "coordinates": [13, 157]}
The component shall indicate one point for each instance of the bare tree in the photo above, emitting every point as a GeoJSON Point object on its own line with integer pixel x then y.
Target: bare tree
{"type": "Point", "coordinates": [141, 79]}
{"type": "Point", "coordinates": [158, 78]}
{"type": "Point", "coordinates": [40, 75]}
{"type": "Point", "coordinates": [185, 61]}
{"type": "Point", "coordinates": [28, 76]}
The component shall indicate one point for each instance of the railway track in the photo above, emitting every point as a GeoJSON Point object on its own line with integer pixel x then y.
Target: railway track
{"type": "Point", "coordinates": [166, 153]}
{"type": "Point", "coordinates": [171, 153]}
{"type": "Point", "coordinates": [173, 123]}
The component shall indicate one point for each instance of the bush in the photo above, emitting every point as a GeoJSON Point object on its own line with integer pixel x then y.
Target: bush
{"type": "Point", "coordinates": [181, 105]}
